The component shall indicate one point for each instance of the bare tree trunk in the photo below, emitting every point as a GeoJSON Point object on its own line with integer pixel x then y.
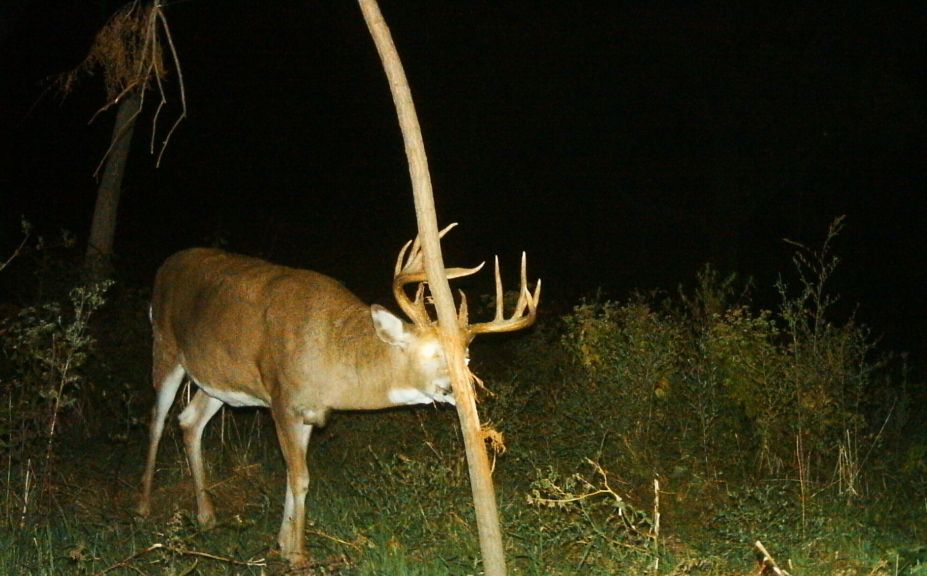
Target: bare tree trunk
{"type": "Point", "coordinates": [484, 497]}
{"type": "Point", "coordinates": [98, 259]}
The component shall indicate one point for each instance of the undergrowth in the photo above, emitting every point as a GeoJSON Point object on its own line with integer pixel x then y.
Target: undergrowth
{"type": "Point", "coordinates": [664, 434]}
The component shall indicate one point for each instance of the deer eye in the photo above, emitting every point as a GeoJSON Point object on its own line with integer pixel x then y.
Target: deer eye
{"type": "Point", "coordinates": [430, 351]}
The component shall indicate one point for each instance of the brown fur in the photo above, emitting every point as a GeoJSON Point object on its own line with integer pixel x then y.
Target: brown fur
{"type": "Point", "coordinates": [254, 333]}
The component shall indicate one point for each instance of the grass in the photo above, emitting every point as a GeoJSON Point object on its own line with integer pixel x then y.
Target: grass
{"type": "Point", "coordinates": [389, 495]}
{"type": "Point", "coordinates": [358, 505]}
{"type": "Point", "coordinates": [787, 429]}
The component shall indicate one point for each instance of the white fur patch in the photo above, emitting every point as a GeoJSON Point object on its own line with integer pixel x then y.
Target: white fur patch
{"type": "Point", "coordinates": [410, 396]}
{"type": "Point", "coordinates": [231, 397]}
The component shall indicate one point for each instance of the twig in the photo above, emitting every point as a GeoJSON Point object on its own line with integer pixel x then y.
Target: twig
{"type": "Point", "coordinates": [227, 560]}
{"type": "Point", "coordinates": [148, 69]}
{"type": "Point", "coordinates": [183, 94]}
{"type": "Point", "coordinates": [124, 563]}
{"type": "Point", "coordinates": [26, 491]}
{"type": "Point", "coordinates": [131, 86]}
{"type": "Point", "coordinates": [767, 562]}
{"type": "Point", "coordinates": [334, 539]}
{"type": "Point", "coordinates": [15, 252]}
{"type": "Point", "coordinates": [878, 436]}
{"type": "Point", "coordinates": [656, 526]}
{"type": "Point", "coordinates": [802, 477]}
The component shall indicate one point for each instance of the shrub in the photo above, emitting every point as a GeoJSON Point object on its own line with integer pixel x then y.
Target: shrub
{"type": "Point", "coordinates": [630, 357]}
{"type": "Point", "coordinates": [731, 366]}
{"type": "Point", "coordinates": [705, 380]}
{"type": "Point", "coordinates": [44, 350]}
{"type": "Point", "coordinates": [583, 520]}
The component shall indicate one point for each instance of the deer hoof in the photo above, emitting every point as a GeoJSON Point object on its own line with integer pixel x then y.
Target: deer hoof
{"type": "Point", "coordinates": [206, 520]}
{"type": "Point", "coordinates": [298, 561]}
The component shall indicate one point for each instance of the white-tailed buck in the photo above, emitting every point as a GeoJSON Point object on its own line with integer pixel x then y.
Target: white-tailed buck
{"type": "Point", "coordinates": [251, 333]}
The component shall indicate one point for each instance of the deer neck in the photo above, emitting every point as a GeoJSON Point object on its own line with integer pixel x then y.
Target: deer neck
{"type": "Point", "coordinates": [371, 368]}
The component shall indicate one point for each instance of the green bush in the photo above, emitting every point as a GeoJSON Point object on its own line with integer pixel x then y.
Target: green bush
{"type": "Point", "coordinates": [730, 369]}
{"type": "Point", "coordinates": [630, 357]}
{"type": "Point", "coordinates": [702, 382]}
{"type": "Point", "coordinates": [43, 354]}
{"type": "Point", "coordinates": [582, 521]}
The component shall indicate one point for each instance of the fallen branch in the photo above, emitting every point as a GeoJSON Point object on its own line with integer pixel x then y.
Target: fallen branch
{"type": "Point", "coordinates": [124, 563]}
{"type": "Point", "coordinates": [15, 253]}
{"type": "Point", "coordinates": [767, 562]}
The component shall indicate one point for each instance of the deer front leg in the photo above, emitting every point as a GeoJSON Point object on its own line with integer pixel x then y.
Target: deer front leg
{"type": "Point", "coordinates": [293, 434]}
{"type": "Point", "coordinates": [193, 420]}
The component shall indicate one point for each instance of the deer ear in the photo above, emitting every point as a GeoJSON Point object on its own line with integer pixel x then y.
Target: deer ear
{"type": "Point", "coordinates": [389, 327]}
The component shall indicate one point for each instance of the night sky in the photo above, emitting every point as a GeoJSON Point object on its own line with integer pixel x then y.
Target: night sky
{"type": "Point", "coordinates": [621, 145]}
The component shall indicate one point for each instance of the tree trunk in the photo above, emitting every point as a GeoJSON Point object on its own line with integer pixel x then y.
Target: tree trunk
{"type": "Point", "coordinates": [484, 496]}
{"type": "Point", "coordinates": [98, 259]}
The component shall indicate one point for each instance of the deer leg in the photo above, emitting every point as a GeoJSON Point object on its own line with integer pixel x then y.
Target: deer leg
{"type": "Point", "coordinates": [293, 434]}
{"type": "Point", "coordinates": [193, 420]}
{"type": "Point", "coordinates": [167, 380]}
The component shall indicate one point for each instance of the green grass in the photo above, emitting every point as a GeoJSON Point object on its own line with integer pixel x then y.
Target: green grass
{"type": "Point", "coordinates": [779, 426]}
{"type": "Point", "coordinates": [389, 495]}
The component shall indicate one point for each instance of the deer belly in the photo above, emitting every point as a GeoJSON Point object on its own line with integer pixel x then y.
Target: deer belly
{"type": "Point", "coordinates": [236, 398]}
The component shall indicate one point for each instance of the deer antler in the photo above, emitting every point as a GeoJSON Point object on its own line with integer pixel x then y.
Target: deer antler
{"type": "Point", "coordinates": [409, 269]}
{"type": "Point", "coordinates": [519, 319]}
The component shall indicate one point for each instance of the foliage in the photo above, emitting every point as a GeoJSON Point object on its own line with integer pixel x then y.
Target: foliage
{"type": "Point", "coordinates": [45, 347]}
{"type": "Point", "coordinates": [772, 392]}
{"type": "Point", "coordinates": [767, 511]}
{"type": "Point", "coordinates": [587, 523]}
{"type": "Point", "coordinates": [758, 424]}
{"type": "Point", "coordinates": [44, 350]}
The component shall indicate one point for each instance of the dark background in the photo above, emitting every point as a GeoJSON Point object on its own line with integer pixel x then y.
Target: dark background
{"type": "Point", "coordinates": [621, 145]}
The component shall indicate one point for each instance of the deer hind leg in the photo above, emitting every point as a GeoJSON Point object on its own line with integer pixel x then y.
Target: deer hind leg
{"type": "Point", "coordinates": [167, 379]}
{"type": "Point", "coordinates": [293, 434]}
{"type": "Point", "coordinates": [193, 420]}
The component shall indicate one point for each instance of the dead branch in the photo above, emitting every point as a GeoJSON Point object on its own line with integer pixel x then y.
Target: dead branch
{"type": "Point", "coordinates": [129, 52]}
{"type": "Point", "coordinates": [125, 562]}
{"type": "Point", "coordinates": [15, 253]}
{"type": "Point", "coordinates": [180, 87]}
{"type": "Point", "coordinates": [767, 562]}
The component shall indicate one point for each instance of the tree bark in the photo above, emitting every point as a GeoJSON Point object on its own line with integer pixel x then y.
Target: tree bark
{"type": "Point", "coordinates": [98, 258]}
{"type": "Point", "coordinates": [484, 496]}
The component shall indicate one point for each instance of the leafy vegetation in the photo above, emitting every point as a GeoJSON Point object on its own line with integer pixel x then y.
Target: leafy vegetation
{"type": "Point", "coordinates": [660, 435]}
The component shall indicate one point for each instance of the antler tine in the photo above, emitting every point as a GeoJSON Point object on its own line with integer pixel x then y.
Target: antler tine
{"type": "Point", "coordinates": [499, 294]}
{"type": "Point", "coordinates": [524, 296]}
{"type": "Point", "coordinates": [463, 315]}
{"type": "Point", "coordinates": [409, 269]}
{"type": "Point", "coordinates": [414, 261]}
{"type": "Point", "coordinates": [414, 309]}
{"type": "Point", "coordinates": [399, 264]}
{"type": "Point", "coordinates": [518, 319]}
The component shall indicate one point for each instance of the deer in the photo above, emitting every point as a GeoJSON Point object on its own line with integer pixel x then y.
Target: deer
{"type": "Point", "coordinates": [251, 333]}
